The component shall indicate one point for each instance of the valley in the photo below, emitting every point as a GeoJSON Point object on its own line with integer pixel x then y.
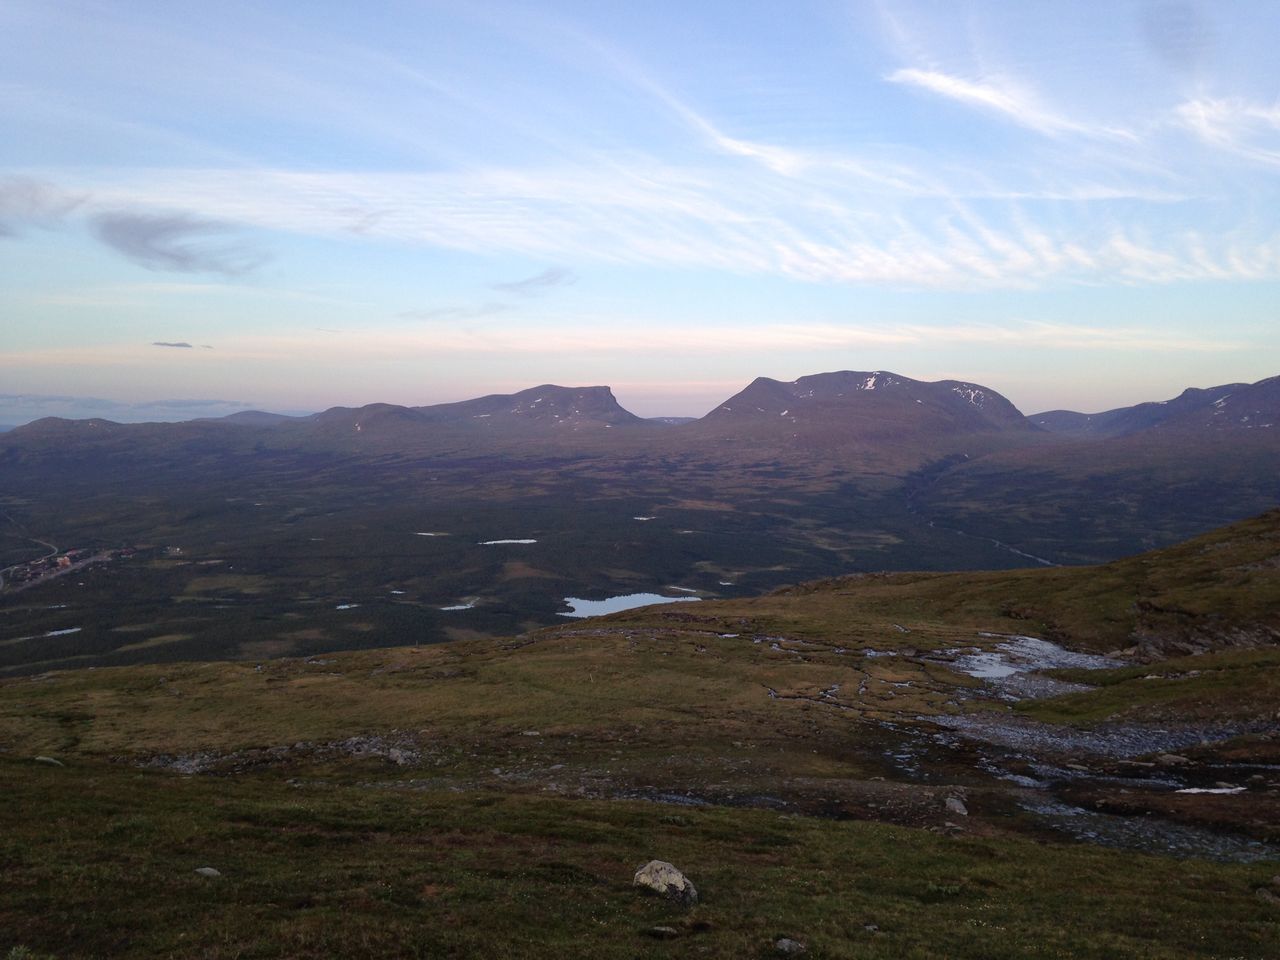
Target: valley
{"type": "Point", "coordinates": [302, 536]}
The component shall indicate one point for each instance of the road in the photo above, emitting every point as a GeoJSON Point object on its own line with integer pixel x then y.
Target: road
{"type": "Point", "coordinates": [53, 549]}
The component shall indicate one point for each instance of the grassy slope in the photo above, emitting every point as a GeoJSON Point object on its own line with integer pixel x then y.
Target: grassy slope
{"type": "Point", "coordinates": [103, 862]}
{"type": "Point", "coordinates": [1208, 591]}
{"type": "Point", "coordinates": [328, 851]}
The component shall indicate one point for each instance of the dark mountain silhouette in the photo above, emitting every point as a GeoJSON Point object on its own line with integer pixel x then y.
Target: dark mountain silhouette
{"type": "Point", "coordinates": [1228, 406]}
{"type": "Point", "coordinates": [880, 401]}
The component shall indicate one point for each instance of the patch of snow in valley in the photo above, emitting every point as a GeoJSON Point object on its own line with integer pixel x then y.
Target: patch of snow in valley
{"type": "Point", "coordinates": [494, 543]}
{"type": "Point", "coordinates": [644, 518]}
{"type": "Point", "coordinates": [461, 606]}
{"type": "Point", "coordinates": [49, 633]}
{"type": "Point", "coordinates": [430, 534]}
{"type": "Point", "coordinates": [595, 608]}
{"type": "Point", "coordinates": [346, 606]}
{"type": "Point", "coordinates": [1016, 656]}
{"type": "Point", "coordinates": [1211, 790]}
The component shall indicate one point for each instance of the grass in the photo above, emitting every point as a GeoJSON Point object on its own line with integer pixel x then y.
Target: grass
{"type": "Point", "coordinates": [480, 798]}
{"type": "Point", "coordinates": [665, 692]}
{"type": "Point", "coordinates": [99, 860]}
{"type": "Point", "coordinates": [1241, 685]}
{"type": "Point", "coordinates": [1215, 590]}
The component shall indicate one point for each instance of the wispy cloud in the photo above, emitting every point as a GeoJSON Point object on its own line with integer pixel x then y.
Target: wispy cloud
{"type": "Point", "coordinates": [457, 313]}
{"type": "Point", "coordinates": [1004, 98]}
{"type": "Point", "coordinates": [1249, 130]}
{"type": "Point", "coordinates": [587, 337]}
{"type": "Point", "coordinates": [704, 187]}
{"type": "Point", "coordinates": [166, 343]}
{"type": "Point", "coordinates": [826, 227]}
{"type": "Point", "coordinates": [551, 277]}
{"type": "Point", "coordinates": [177, 242]}
{"type": "Point", "coordinates": [25, 201]}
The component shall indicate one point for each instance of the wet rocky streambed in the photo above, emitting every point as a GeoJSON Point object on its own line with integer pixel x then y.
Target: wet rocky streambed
{"type": "Point", "coordinates": [1090, 783]}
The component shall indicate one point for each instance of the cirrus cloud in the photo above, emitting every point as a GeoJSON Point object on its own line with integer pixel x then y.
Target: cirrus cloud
{"type": "Point", "coordinates": [178, 242]}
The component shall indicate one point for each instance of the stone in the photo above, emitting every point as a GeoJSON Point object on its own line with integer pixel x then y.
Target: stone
{"type": "Point", "coordinates": [662, 933]}
{"type": "Point", "coordinates": [1266, 896]}
{"type": "Point", "coordinates": [208, 872]}
{"type": "Point", "coordinates": [50, 761]}
{"type": "Point", "coordinates": [956, 805]}
{"type": "Point", "coordinates": [1171, 760]}
{"type": "Point", "coordinates": [666, 881]}
{"type": "Point", "coordinates": [787, 947]}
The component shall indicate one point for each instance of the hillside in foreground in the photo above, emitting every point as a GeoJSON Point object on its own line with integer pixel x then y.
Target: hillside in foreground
{"type": "Point", "coordinates": [876, 766]}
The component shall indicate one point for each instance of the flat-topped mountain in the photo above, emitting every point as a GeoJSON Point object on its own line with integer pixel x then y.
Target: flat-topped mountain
{"type": "Point", "coordinates": [536, 409]}
{"type": "Point", "coordinates": [550, 405]}
{"type": "Point", "coordinates": [1228, 406]}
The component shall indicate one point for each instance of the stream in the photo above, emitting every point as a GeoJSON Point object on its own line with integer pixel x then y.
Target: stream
{"type": "Point", "coordinates": [1043, 756]}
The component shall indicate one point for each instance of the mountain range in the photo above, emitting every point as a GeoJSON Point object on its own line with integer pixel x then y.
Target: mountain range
{"type": "Point", "coordinates": [265, 532]}
{"type": "Point", "coordinates": [877, 406]}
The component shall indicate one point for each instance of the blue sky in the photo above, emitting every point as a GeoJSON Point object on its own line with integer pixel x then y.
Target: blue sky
{"type": "Point", "coordinates": [1073, 203]}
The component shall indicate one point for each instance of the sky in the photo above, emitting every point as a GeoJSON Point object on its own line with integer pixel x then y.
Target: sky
{"type": "Point", "coordinates": [290, 206]}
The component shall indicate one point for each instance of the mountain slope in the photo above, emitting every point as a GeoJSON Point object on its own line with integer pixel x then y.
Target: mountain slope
{"type": "Point", "coordinates": [814, 760]}
{"type": "Point", "coordinates": [1230, 405]}
{"type": "Point", "coordinates": [548, 405]}
{"type": "Point", "coordinates": [876, 404]}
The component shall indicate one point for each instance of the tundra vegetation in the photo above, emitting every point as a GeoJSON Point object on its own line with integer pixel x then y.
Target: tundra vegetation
{"type": "Point", "coordinates": [817, 761]}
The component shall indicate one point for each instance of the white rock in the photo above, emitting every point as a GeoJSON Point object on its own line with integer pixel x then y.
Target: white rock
{"type": "Point", "coordinates": [208, 872]}
{"type": "Point", "coordinates": [664, 879]}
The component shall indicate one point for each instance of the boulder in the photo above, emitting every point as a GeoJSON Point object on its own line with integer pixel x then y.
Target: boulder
{"type": "Point", "coordinates": [665, 880]}
{"type": "Point", "coordinates": [208, 872]}
{"type": "Point", "coordinates": [662, 933]}
{"type": "Point", "coordinates": [956, 805]}
{"type": "Point", "coordinates": [786, 947]}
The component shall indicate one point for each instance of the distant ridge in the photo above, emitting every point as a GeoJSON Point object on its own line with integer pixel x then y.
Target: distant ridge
{"type": "Point", "coordinates": [547, 404]}
{"type": "Point", "coordinates": [255, 418]}
{"type": "Point", "coordinates": [546, 407]}
{"type": "Point", "coordinates": [1228, 406]}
